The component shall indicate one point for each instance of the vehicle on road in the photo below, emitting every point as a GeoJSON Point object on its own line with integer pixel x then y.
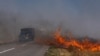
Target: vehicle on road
{"type": "Point", "coordinates": [26, 34]}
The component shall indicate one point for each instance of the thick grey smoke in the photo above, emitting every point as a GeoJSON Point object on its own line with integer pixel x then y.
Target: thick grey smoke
{"type": "Point", "coordinates": [81, 17]}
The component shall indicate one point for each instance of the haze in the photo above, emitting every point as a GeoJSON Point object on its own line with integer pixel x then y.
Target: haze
{"type": "Point", "coordinates": [81, 17]}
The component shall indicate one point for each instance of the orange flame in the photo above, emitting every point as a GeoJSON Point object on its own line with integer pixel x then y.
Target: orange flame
{"type": "Point", "coordinates": [83, 45]}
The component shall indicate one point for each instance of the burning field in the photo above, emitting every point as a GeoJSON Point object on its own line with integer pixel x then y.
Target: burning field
{"type": "Point", "coordinates": [60, 46]}
{"type": "Point", "coordinates": [72, 47]}
{"type": "Point", "coordinates": [84, 45]}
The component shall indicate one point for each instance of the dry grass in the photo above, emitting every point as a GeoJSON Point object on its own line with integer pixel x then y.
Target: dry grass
{"type": "Point", "coordinates": [53, 51]}
{"type": "Point", "coordinates": [4, 42]}
{"type": "Point", "coordinates": [1, 42]}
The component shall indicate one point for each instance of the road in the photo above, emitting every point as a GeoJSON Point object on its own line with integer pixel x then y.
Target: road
{"type": "Point", "coordinates": [26, 49]}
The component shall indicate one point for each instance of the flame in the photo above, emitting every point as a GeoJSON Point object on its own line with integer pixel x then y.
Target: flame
{"type": "Point", "coordinates": [85, 45]}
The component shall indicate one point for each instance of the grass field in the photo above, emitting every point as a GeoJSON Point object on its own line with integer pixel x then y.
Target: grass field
{"type": "Point", "coordinates": [54, 51]}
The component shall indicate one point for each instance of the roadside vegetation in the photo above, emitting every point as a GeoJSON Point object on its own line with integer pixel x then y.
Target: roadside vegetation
{"type": "Point", "coordinates": [54, 51]}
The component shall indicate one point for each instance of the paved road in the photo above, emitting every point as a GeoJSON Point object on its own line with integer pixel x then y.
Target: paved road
{"type": "Point", "coordinates": [26, 49]}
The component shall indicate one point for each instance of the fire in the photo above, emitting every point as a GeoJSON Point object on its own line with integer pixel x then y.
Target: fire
{"type": "Point", "coordinates": [85, 45]}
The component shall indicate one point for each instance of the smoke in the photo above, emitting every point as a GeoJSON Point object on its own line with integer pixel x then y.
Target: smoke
{"type": "Point", "coordinates": [81, 17]}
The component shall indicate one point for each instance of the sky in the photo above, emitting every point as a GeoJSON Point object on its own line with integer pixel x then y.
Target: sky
{"type": "Point", "coordinates": [79, 16]}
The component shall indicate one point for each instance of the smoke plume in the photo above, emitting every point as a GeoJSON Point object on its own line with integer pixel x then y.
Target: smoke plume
{"type": "Point", "coordinates": [81, 17]}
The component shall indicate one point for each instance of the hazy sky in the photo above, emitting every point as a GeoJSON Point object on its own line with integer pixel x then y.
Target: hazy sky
{"type": "Point", "coordinates": [79, 16]}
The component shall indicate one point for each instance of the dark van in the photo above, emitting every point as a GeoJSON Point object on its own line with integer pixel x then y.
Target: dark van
{"type": "Point", "coordinates": [26, 34]}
